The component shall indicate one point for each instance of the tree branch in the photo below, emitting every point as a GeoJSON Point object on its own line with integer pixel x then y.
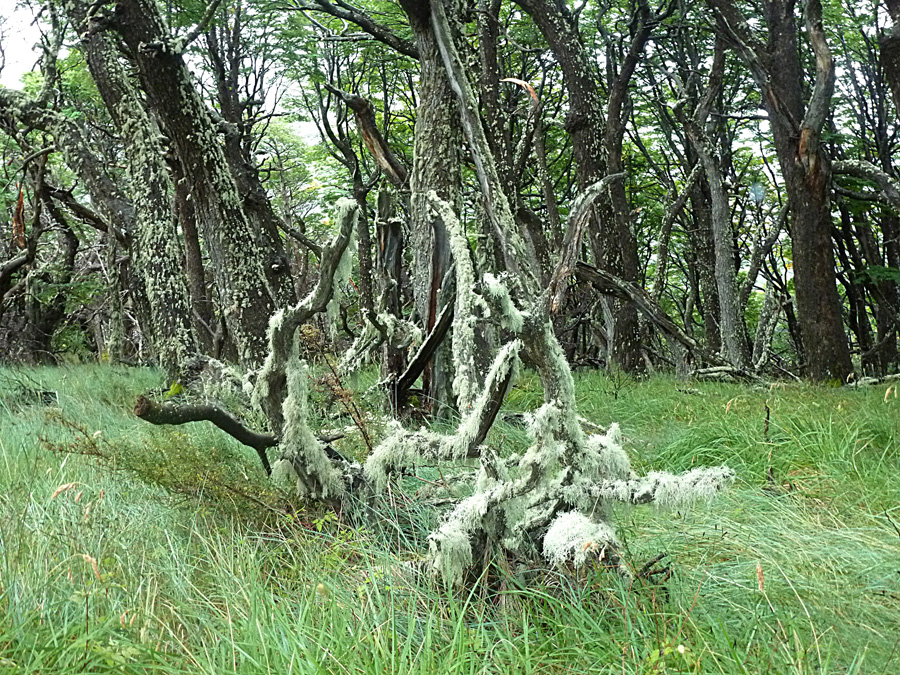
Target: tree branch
{"type": "Point", "coordinates": [867, 171]}
{"type": "Point", "coordinates": [201, 27]}
{"type": "Point", "coordinates": [171, 413]}
{"type": "Point", "coordinates": [378, 31]}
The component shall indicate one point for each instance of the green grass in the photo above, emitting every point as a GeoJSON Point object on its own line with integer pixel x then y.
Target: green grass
{"type": "Point", "coordinates": [202, 568]}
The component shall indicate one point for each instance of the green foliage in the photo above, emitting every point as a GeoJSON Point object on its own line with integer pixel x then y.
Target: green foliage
{"type": "Point", "coordinates": [876, 274]}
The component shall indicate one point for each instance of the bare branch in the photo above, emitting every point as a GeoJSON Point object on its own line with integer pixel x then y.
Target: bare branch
{"type": "Point", "coordinates": [172, 413]}
{"type": "Point", "coordinates": [867, 171]}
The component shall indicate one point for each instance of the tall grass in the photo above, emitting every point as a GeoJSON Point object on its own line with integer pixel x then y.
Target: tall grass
{"type": "Point", "coordinates": [164, 549]}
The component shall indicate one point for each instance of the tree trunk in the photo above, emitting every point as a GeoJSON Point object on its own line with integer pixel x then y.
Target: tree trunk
{"type": "Point", "coordinates": [436, 166]}
{"type": "Point", "coordinates": [796, 128]}
{"type": "Point", "coordinates": [890, 52]}
{"type": "Point", "coordinates": [238, 259]}
{"type": "Point", "coordinates": [157, 247]}
{"type": "Point", "coordinates": [597, 137]}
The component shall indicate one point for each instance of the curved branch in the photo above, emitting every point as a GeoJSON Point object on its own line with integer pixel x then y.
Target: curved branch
{"type": "Point", "coordinates": [270, 386]}
{"type": "Point", "coordinates": [867, 171]}
{"type": "Point", "coordinates": [171, 413]}
{"type": "Point", "coordinates": [378, 31]}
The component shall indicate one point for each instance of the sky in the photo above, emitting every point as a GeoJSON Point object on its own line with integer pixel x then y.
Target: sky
{"type": "Point", "coordinates": [20, 39]}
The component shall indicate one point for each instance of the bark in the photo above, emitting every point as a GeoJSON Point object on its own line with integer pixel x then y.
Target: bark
{"type": "Point", "coordinates": [227, 52]}
{"type": "Point", "coordinates": [202, 309]}
{"type": "Point", "coordinates": [282, 328]}
{"type": "Point", "coordinates": [733, 330]}
{"type": "Point", "coordinates": [172, 413]}
{"type": "Point", "coordinates": [237, 258]}
{"type": "Point", "coordinates": [436, 166]}
{"type": "Point", "coordinates": [389, 274]}
{"type": "Point", "coordinates": [890, 52]}
{"type": "Point", "coordinates": [597, 133]}
{"type": "Point", "coordinates": [158, 252]}
{"type": "Point", "coordinates": [796, 127]}
{"type": "Point", "coordinates": [705, 290]}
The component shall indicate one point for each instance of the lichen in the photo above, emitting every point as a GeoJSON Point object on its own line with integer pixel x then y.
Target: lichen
{"type": "Point", "coordinates": [469, 305]}
{"type": "Point", "coordinates": [341, 277]}
{"type": "Point", "coordinates": [317, 477]}
{"type": "Point", "coordinates": [573, 537]}
{"type": "Point", "coordinates": [511, 317]}
{"type": "Point", "coordinates": [403, 448]}
{"type": "Point", "coordinates": [665, 490]}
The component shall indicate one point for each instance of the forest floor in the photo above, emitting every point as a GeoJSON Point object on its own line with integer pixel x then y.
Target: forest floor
{"type": "Point", "coordinates": [128, 548]}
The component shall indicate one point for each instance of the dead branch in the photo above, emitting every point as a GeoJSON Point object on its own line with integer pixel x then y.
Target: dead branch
{"type": "Point", "coordinates": [176, 414]}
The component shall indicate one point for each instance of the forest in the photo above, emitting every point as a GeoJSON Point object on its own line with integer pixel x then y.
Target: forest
{"type": "Point", "coordinates": [446, 292]}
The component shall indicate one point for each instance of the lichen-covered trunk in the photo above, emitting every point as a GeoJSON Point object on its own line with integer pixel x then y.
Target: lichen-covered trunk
{"type": "Point", "coordinates": [159, 255]}
{"type": "Point", "coordinates": [890, 52]}
{"type": "Point", "coordinates": [239, 258]}
{"type": "Point", "coordinates": [797, 122]}
{"type": "Point", "coordinates": [436, 166]}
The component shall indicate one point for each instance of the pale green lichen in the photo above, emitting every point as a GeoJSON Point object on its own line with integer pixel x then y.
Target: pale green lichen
{"type": "Point", "coordinates": [316, 476]}
{"type": "Point", "coordinates": [573, 537]}
{"type": "Point", "coordinates": [665, 490]}
{"type": "Point", "coordinates": [402, 448]}
{"type": "Point", "coordinates": [466, 311]}
{"type": "Point", "coordinates": [341, 277]}
{"type": "Point", "coordinates": [399, 334]}
{"type": "Point", "coordinates": [511, 317]}
{"type": "Point", "coordinates": [450, 552]}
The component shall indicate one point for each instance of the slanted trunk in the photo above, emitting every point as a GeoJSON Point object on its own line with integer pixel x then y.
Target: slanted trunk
{"type": "Point", "coordinates": [157, 247]}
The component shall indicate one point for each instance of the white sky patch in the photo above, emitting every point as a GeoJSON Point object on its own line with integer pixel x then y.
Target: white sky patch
{"type": "Point", "coordinates": [21, 43]}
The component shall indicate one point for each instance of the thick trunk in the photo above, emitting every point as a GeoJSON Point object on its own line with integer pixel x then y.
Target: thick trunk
{"type": "Point", "coordinates": [818, 304]}
{"type": "Point", "coordinates": [436, 166]}
{"type": "Point", "coordinates": [227, 51]}
{"type": "Point", "coordinates": [235, 249]}
{"type": "Point", "coordinates": [890, 53]}
{"type": "Point", "coordinates": [796, 128]}
{"type": "Point", "coordinates": [157, 247]}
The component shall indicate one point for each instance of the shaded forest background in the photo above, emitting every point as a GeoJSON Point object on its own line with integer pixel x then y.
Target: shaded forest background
{"type": "Point", "coordinates": [368, 244]}
{"type": "Point", "coordinates": [170, 175]}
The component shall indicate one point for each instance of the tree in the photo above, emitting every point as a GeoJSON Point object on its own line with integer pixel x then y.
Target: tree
{"type": "Point", "coordinates": [797, 126]}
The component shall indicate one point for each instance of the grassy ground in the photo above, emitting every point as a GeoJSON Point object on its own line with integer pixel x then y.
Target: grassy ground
{"type": "Point", "coordinates": [131, 548]}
